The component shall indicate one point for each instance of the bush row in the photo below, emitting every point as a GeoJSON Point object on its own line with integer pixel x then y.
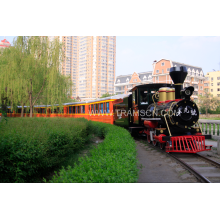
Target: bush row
{"type": "Point", "coordinates": [30, 147]}
{"type": "Point", "coordinates": [113, 161]}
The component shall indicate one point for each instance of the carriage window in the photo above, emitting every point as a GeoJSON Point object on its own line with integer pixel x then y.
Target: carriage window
{"type": "Point", "coordinates": [79, 110]}
{"type": "Point", "coordinates": [89, 108]}
{"type": "Point", "coordinates": [143, 97]}
{"type": "Point", "coordinates": [104, 110]}
{"type": "Point", "coordinates": [70, 110]}
{"type": "Point", "coordinates": [83, 108]}
{"type": "Point", "coordinates": [97, 108]}
{"type": "Point", "coordinates": [76, 110]}
{"type": "Point", "coordinates": [101, 107]}
{"type": "Point", "coordinates": [107, 107]}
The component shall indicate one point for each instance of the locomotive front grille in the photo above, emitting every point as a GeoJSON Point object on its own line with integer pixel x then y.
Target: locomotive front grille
{"type": "Point", "coordinates": [187, 144]}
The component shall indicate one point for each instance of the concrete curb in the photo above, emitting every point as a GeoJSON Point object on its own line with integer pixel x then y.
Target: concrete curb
{"type": "Point", "coordinates": [215, 137]}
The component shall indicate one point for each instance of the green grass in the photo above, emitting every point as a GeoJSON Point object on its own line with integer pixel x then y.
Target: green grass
{"type": "Point", "coordinates": [210, 118]}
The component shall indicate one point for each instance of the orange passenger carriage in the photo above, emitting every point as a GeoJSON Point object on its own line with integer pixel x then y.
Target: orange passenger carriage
{"type": "Point", "coordinates": [99, 110]}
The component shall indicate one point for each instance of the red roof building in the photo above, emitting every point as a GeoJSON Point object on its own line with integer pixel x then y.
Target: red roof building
{"type": "Point", "coordinates": [4, 43]}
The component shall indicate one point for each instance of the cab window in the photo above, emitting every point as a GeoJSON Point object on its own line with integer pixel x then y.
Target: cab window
{"type": "Point", "coordinates": [134, 97]}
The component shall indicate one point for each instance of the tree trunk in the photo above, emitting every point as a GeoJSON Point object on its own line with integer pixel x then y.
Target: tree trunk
{"type": "Point", "coordinates": [31, 105]}
{"type": "Point", "coordinates": [22, 111]}
{"type": "Point", "coordinates": [4, 107]}
{"type": "Point", "coordinates": [31, 111]}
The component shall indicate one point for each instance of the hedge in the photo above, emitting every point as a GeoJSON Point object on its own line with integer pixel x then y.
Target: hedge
{"type": "Point", "coordinates": [113, 161]}
{"type": "Point", "coordinates": [31, 147]}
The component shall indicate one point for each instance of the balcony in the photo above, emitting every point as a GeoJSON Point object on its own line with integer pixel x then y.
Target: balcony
{"type": "Point", "coordinates": [196, 89]}
{"type": "Point", "coordinates": [195, 96]}
{"type": "Point", "coordinates": [195, 82]}
{"type": "Point", "coordinates": [187, 81]}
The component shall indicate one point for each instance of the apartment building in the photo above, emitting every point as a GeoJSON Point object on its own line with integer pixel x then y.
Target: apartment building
{"type": "Point", "coordinates": [195, 76]}
{"type": "Point", "coordinates": [124, 83]}
{"type": "Point", "coordinates": [213, 83]}
{"type": "Point", "coordinates": [90, 62]}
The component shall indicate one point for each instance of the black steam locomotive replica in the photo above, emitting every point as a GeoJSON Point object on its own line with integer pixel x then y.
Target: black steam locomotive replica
{"type": "Point", "coordinates": [165, 114]}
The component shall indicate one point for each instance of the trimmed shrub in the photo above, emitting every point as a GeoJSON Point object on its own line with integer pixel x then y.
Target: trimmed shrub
{"type": "Point", "coordinates": [113, 161]}
{"type": "Point", "coordinates": [30, 147]}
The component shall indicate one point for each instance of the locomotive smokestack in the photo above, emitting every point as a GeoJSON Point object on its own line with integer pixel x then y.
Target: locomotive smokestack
{"type": "Point", "coordinates": [178, 75]}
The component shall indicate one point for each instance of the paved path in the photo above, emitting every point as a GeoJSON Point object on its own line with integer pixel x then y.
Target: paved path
{"type": "Point", "coordinates": [210, 142]}
{"type": "Point", "coordinates": [157, 167]}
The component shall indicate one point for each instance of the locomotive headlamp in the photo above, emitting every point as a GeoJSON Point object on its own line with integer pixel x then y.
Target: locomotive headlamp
{"type": "Point", "coordinates": [188, 92]}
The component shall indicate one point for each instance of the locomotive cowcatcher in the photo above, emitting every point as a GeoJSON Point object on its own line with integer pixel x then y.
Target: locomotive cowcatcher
{"type": "Point", "coordinates": [165, 114]}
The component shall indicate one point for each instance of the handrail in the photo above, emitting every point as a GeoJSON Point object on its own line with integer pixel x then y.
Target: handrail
{"type": "Point", "coordinates": [210, 126]}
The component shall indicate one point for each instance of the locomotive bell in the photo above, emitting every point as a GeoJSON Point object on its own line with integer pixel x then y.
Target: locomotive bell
{"type": "Point", "coordinates": [178, 75]}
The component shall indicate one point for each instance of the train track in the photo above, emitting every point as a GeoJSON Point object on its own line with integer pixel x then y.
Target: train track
{"type": "Point", "coordinates": [203, 168]}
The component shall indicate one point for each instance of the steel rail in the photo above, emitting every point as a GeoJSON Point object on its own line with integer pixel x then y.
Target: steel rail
{"type": "Point", "coordinates": [191, 170]}
{"type": "Point", "coordinates": [188, 167]}
{"type": "Point", "coordinates": [209, 160]}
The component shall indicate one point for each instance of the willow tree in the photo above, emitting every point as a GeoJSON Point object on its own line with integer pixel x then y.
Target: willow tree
{"type": "Point", "coordinates": [35, 74]}
{"type": "Point", "coordinates": [8, 76]}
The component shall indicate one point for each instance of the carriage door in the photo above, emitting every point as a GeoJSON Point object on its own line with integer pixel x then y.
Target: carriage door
{"type": "Point", "coordinates": [134, 110]}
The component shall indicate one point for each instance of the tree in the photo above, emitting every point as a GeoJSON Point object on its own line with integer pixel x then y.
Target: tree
{"type": "Point", "coordinates": [31, 73]}
{"type": "Point", "coordinates": [106, 95]}
{"type": "Point", "coordinates": [207, 101]}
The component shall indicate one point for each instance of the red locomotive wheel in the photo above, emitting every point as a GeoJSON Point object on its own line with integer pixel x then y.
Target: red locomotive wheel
{"type": "Point", "coordinates": [148, 138]}
{"type": "Point", "coordinates": [154, 142]}
{"type": "Point", "coordinates": [162, 146]}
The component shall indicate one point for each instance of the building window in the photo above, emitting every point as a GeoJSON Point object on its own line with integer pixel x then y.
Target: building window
{"type": "Point", "coordinates": [157, 78]}
{"type": "Point", "coordinates": [218, 90]}
{"type": "Point", "coordinates": [218, 78]}
{"type": "Point", "coordinates": [211, 84]}
{"type": "Point", "coordinates": [211, 90]}
{"type": "Point", "coordinates": [134, 80]}
{"type": "Point", "coordinates": [168, 69]}
{"type": "Point", "coordinates": [211, 78]}
{"type": "Point", "coordinates": [157, 71]}
{"type": "Point", "coordinates": [201, 88]}
{"type": "Point", "coordinates": [218, 84]}
{"type": "Point", "coordinates": [201, 81]}
{"type": "Point", "coordinates": [201, 94]}
{"type": "Point", "coordinates": [162, 71]}
{"type": "Point", "coordinates": [162, 64]}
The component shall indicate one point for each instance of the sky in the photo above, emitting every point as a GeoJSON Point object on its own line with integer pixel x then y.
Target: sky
{"type": "Point", "coordinates": [136, 54]}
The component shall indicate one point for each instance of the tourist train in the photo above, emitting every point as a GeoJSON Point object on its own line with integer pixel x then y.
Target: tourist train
{"type": "Point", "coordinates": [164, 113]}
